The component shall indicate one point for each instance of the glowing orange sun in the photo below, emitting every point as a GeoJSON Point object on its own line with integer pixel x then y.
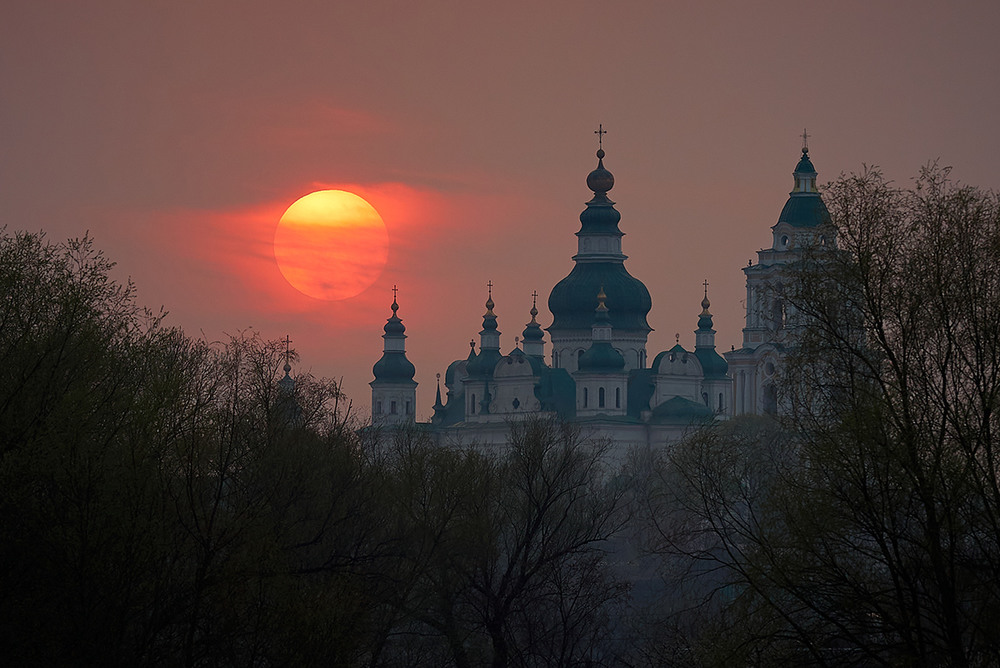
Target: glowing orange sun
{"type": "Point", "coordinates": [331, 244]}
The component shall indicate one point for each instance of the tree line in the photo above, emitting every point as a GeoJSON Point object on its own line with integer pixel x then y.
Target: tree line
{"type": "Point", "coordinates": [170, 501]}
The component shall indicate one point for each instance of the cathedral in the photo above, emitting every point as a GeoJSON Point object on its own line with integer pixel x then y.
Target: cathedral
{"type": "Point", "coordinates": [597, 372]}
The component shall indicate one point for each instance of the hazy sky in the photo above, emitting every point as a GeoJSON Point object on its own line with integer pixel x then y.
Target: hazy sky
{"type": "Point", "coordinates": [178, 132]}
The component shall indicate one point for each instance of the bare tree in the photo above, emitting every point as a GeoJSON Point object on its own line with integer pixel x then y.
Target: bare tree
{"type": "Point", "coordinates": [874, 538]}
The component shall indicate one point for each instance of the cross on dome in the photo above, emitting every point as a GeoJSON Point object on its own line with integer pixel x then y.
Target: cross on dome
{"type": "Point", "coordinates": [805, 140]}
{"type": "Point", "coordinates": [600, 132]}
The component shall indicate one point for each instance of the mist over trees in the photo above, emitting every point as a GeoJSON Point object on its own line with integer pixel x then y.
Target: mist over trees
{"type": "Point", "coordinates": [862, 529]}
{"type": "Point", "coordinates": [170, 501]}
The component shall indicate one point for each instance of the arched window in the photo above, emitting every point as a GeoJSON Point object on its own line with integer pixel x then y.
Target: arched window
{"type": "Point", "coordinates": [472, 405]}
{"type": "Point", "coordinates": [600, 398]}
{"type": "Point", "coordinates": [585, 397]}
{"type": "Point", "coordinates": [408, 408]}
{"type": "Point", "coordinates": [618, 397]}
{"type": "Point", "coordinates": [392, 408]}
{"type": "Point", "coordinates": [555, 359]}
{"type": "Point", "coordinates": [720, 401]}
{"type": "Point", "coordinates": [704, 397]}
{"type": "Point", "coordinates": [642, 359]}
{"type": "Point", "coordinates": [770, 400]}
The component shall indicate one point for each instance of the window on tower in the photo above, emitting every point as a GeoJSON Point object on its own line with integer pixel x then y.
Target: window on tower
{"type": "Point", "coordinates": [600, 397]}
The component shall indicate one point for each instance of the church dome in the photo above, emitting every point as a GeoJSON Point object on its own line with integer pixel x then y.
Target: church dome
{"type": "Point", "coordinates": [394, 368]}
{"type": "Point", "coordinates": [805, 207]}
{"type": "Point", "coordinates": [572, 300]}
{"type": "Point", "coordinates": [601, 356]}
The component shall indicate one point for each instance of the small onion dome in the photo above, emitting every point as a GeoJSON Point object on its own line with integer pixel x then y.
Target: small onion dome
{"type": "Point", "coordinates": [485, 363]}
{"type": "Point", "coordinates": [601, 356]}
{"type": "Point", "coordinates": [533, 331]}
{"type": "Point", "coordinates": [600, 180]}
{"type": "Point", "coordinates": [286, 384]}
{"type": "Point", "coordinates": [394, 325]}
{"type": "Point", "coordinates": [805, 166]}
{"type": "Point", "coordinates": [705, 319]}
{"type": "Point", "coordinates": [804, 208]}
{"type": "Point", "coordinates": [394, 367]}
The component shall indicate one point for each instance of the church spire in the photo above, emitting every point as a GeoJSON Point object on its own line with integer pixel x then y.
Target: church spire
{"type": "Point", "coordinates": [534, 344]}
{"type": "Point", "coordinates": [805, 207]}
{"type": "Point", "coordinates": [393, 390]}
{"type": "Point", "coordinates": [489, 341]}
{"type": "Point", "coordinates": [287, 384]}
{"type": "Point", "coordinates": [712, 364]}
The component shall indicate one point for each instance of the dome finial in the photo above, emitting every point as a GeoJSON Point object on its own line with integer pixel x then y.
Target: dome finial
{"type": "Point", "coordinates": [601, 297]}
{"type": "Point", "coordinates": [534, 307]}
{"type": "Point", "coordinates": [288, 354]}
{"type": "Point", "coordinates": [395, 306]}
{"type": "Point", "coordinates": [805, 141]}
{"type": "Point", "coordinates": [600, 180]}
{"type": "Point", "coordinates": [704, 302]}
{"type": "Point", "coordinates": [489, 299]}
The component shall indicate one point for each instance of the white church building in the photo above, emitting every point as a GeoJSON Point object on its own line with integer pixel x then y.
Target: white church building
{"type": "Point", "coordinates": [595, 370]}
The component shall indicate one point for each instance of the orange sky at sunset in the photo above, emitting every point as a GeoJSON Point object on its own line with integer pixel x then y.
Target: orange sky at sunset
{"type": "Point", "coordinates": [178, 133]}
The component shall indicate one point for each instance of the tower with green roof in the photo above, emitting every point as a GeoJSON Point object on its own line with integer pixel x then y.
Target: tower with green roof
{"type": "Point", "coordinates": [716, 383]}
{"type": "Point", "coordinates": [394, 392]}
{"type": "Point", "coordinates": [599, 262]}
{"type": "Point", "coordinates": [480, 366]}
{"type": "Point", "coordinates": [804, 223]}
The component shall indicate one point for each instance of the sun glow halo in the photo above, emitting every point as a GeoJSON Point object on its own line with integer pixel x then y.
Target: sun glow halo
{"type": "Point", "coordinates": [331, 244]}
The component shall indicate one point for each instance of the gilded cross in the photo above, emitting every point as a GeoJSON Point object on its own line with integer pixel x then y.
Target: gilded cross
{"type": "Point", "coordinates": [805, 140]}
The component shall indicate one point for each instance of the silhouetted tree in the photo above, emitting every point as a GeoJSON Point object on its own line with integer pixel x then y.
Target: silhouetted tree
{"type": "Point", "coordinates": [870, 535]}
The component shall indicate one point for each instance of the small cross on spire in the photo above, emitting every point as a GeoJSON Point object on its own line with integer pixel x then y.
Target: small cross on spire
{"type": "Point", "coordinates": [600, 132]}
{"type": "Point", "coordinates": [805, 140]}
{"type": "Point", "coordinates": [534, 298]}
{"type": "Point", "coordinates": [489, 286]}
{"type": "Point", "coordinates": [706, 287]}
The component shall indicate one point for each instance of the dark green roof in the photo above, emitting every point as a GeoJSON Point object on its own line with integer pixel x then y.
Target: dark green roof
{"type": "Point", "coordinates": [679, 410]}
{"type": "Point", "coordinates": [393, 368]}
{"type": "Point", "coordinates": [600, 217]}
{"type": "Point", "coordinates": [484, 363]}
{"type": "Point", "coordinates": [574, 298]}
{"type": "Point", "coordinates": [712, 364]}
{"type": "Point", "coordinates": [601, 356]}
{"type": "Point", "coordinates": [804, 210]}
{"type": "Point", "coordinates": [805, 165]}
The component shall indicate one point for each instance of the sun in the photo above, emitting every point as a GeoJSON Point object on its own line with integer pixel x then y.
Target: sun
{"type": "Point", "coordinates": [331, 244]}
